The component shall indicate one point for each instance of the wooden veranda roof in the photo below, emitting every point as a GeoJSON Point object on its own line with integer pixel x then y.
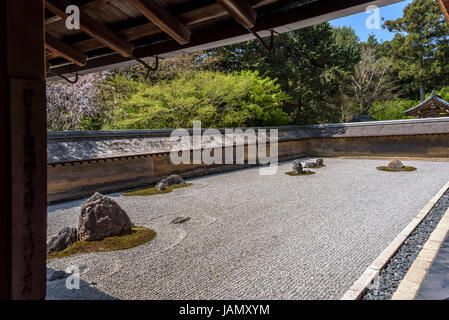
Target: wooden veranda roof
{"type": "Point", "coordinates": [123, 32]}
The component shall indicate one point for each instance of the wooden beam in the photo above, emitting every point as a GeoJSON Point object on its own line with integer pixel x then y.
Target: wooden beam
{"type": "Point", "coordinates": [64, 50]}
{"type": "Point", "coordinates": [163, 19]}
{"type": "Point", "coordinates": [190, 18]}
{"type": "Point", "coordinates": [51, 55]}
{"type": "Point", "coordinates": [444, 5]}
{"type": "Point", "coordinates": [230, 32]}
{"type": "Point", "coordinates": [52, 19]}
{"type": "Point", "coordinates": [93, 28]}
{"type": "Point", "coordinates": [241, 11]}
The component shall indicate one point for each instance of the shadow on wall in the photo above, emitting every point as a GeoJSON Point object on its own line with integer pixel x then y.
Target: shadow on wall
{"type": "Point", "coordinates": [57, 290]}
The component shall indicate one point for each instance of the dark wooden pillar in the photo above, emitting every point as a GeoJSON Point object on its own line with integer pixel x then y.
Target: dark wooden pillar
{"type": "Point", "coordinates": [23, 150]}
{"type": "Point", "coordinates": [444, 5]}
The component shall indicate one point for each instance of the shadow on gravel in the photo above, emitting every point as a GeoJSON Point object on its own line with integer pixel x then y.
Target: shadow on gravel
{"type": "Point", "coordinates": [57, 290]}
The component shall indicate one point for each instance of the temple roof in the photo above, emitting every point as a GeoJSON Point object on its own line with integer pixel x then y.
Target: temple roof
{"type": "Point", "coordinates": [433, 102]}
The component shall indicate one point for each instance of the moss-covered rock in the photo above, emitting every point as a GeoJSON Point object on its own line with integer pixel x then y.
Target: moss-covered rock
{"type": "Point", "coordinates": [386, 168]}
{"type": "Point", "coordinates": [137, 237]}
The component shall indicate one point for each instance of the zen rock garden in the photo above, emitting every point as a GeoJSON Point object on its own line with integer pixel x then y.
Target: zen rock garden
{"type": "Point", "coordinates": [396, 166]}
{"type": "Point", "coordinates": [166, 185]}
{"type": "Point", "coordinates": [298, 168]}
{"type": "Point", "coordinates": [101, 217]}
{"type": "Point", "coordinates": [204, 233]}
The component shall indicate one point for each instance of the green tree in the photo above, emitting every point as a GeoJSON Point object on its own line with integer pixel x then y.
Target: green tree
{"type": "Point", "coordinates": [311, 64]}
{"type": "Point", "coordinates": [219, 100]}
{"type": "Point", "coordinates": [371, 43]}
{"type": "Point", "coordinates": [421, 45]}
{"type": "Point", "coordinates": [392, 109]}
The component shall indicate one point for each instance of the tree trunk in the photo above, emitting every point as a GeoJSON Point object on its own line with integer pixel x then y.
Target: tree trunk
{"type": "Point", "coordinates": [422, 91]}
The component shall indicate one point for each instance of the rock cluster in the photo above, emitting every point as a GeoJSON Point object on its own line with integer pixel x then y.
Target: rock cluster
{"type": "Point", "coordinates": [297, 167]}
{"type": "Point", "coordinates": [65, 238]}
{"type": "Point", "coordinates": [171, 180]}
{"type": "Point", "coordinates": [313, 164]}
{"type": "Point", "coordinates": [310, 164]}
{"type": "Point", "coordinates": [395, 164]}
{"type": "Point", "coordinates": [102, 217]}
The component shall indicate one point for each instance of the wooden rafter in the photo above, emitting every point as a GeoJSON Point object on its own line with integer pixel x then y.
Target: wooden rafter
{"type": "Point", "coordinates": [228, 32]}
{"type": "Point", "coordinates": [94, 29]}
{"type": "Point", "coordinates": [444, 5]}
{"type": "Point", "coordinates": [64, 50]}
{"type": "Point", "coordinates": [189, 18]}
{"type": "Point", "coordinates": [163, 19]}
{"type": "Point", "coordinates": [241, 11]}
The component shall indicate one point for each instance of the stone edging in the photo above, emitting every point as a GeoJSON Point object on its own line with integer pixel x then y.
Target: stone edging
{"type": "Point", "coordinates": [409, 286]}
{"type": "Point", "coordinates": [360, 286]}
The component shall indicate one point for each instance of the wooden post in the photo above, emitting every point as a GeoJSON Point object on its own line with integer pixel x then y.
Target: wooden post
{"type": "Point", "coordinates": [23, 177]}
{"type": "Point", "coordinates": [444, 5]}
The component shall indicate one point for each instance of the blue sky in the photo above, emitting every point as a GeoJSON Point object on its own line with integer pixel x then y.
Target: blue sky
{"type": "Point", "coordinates": [358, 21]}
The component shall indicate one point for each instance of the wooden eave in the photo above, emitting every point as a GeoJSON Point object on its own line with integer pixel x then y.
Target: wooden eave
{"type": "Point", "coordinates": [114, 33]}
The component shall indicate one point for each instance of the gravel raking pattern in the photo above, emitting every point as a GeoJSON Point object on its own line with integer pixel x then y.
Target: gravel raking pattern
{"type": "Point", "coordinates": [255, 237]}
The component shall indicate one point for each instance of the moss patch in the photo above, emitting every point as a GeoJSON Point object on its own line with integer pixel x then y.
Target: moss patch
{"type": "Point", "coordinates": [153, 190]}
{"type": "Point", "coordinates": [137, 237]}
{"type": "Point", "coordinates": [385, 168]}
{"type": "Point", "coordinates": [290, 173]}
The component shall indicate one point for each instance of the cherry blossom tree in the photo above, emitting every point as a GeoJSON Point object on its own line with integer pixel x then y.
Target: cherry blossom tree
{"type": "Point", "coordinates": [75, 106]}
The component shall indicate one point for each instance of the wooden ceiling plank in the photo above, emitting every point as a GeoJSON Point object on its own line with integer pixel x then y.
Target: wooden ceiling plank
{"type": "Point", "coordinates": [64, 50]}
{"type": "Point", "coordinates": [163, 19]}
{"type": "Point", "coordinates": [241, 11]}
{"type": "Point", "coordinates": [93, 28]}
{"type": "Point", "coordinates": [126, 8]}
{"type": "Point", "coordinates": [189, 18]}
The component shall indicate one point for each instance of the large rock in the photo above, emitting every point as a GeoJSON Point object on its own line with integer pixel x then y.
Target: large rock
{"type": "Point", "coordinates": [395, 164]}
{"type": "Point", "coordinates": [319, 162]}
{"type": "Point", "coordinates": [297, 167]}
{"type": "Point", "coordinates": [171, 180]}
{"type": "Point", "coordinates": [65, 238]}
{"type": "Point", "coordinates": [102, 217]}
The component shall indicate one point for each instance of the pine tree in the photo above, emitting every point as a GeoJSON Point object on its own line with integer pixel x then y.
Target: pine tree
{"type": "Point", "coordinates": [421, 44]}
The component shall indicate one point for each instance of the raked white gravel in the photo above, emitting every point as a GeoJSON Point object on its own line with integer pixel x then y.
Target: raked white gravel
{"type": "Point", "coordinates": [255, 237]}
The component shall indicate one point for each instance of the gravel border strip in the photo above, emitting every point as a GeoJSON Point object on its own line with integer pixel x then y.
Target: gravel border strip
{"type": "Point", "coordinates": [410, 285]}
{"type": "Point", "coordinates": [376, 269]}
